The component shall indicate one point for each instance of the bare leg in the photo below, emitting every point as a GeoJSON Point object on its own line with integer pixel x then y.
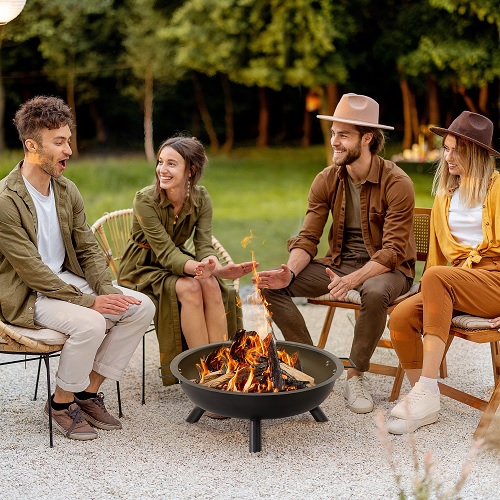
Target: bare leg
{"type": "Point", "coordinates": [194, 327]}
{"type": "Point", "coordinates": [96, 380]}
{"type": "Point", "coordinates": [215, 314]}
{"type": "Point", "coordinates": [62, 396]}
{"type": "Point", "coordinates": [433, 348]}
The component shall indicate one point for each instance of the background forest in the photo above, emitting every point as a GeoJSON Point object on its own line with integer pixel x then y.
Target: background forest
{"type": "Point", "coordinates": [248, 72]}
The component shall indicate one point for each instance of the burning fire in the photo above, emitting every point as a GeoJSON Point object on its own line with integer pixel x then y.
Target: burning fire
{"type": "Point", "coordinates": [252, 364]}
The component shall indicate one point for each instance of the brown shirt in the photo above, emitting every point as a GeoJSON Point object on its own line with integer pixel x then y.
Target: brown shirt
{"type": "Point", "coordinates": [387, 200]}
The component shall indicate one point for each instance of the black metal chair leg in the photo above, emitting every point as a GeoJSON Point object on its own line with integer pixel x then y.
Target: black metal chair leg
{"type": "Point", "coordinates": [46, 358]}
{"type": "Point", "coordinates": [37, 377]}
{"type": "Point", "coordinates": [143, 369]}
{"type": "Point", "coordinates": [120, 414]}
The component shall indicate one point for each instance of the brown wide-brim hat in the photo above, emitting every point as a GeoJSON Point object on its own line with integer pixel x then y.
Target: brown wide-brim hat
{"type": "Point", "coordinates": [357, 110]}
{"type": "Point", "coordinates": [473, 127]}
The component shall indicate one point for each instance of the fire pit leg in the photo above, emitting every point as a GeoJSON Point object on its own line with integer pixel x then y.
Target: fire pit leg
{"type": "Point", "coordinates": [255, 435]}
{"type": "Point", "coordinates": [195, 415]}
{"type": "Point", "coordinates": [318, 414]}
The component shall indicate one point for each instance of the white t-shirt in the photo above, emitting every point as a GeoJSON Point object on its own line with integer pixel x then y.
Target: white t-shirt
{"type": "Point", "coordinates": [49, 237]}
{"type": "Point", "coordinates": [465, 223]}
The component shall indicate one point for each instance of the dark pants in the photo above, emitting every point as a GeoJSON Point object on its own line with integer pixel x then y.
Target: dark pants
{"type": "Point", "coordinates": [377, 294]}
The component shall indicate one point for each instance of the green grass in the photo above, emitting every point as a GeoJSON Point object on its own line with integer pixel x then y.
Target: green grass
{"type": "Point", "coordinates": [262, 192]}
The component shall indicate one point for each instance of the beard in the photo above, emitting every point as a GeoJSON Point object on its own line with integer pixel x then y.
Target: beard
{"type": "Point", "coordinates": [49, 165]}
{"type": "Point", "coordinates": [350, 156]}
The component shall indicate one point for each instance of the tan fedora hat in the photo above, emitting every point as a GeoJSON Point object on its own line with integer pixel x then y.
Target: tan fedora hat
{"type": "Point", "coordinates": [357, 110]}
{"type": "Point", "coordinates": [472, 126]}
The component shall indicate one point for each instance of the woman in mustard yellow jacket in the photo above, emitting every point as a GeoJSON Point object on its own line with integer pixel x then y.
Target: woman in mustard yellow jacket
{"type": "Point", "coordinates": [193, 306]}
{"type": "Point", "coordinates": [463, 273]}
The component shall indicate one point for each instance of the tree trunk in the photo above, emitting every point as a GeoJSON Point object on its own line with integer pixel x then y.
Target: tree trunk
{"type": "Point", "coordinates": [405, 94]}
{"type": "Point", "coordinates": [433, 104]}
{"type": "Point", "coordinates": [2, 103]}
{"type": "Point", "coordinates": [148, 117]}
{"type": "Point", "coordinates": [468, 101]}
{"type": "Point", "coordinates": [100, 131]}
{"type": "Point", "coordinates": [483, 100]}
{"type": "Point", "coordinates": [263, 137]}
{"type": "Point", "coordinates": [205, 114]}
{"type": "Point", "coordinates": [328, 104]}
{"type": "Point", "coordinates": [70, 97]}
{"type": "Point", "coordinates": [228, 115]}
{"type": "Point", "coordinates": [306, 128]}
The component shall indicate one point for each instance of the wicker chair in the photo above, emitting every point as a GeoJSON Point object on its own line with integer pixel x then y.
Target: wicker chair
{"type": "Point", "coordinates": [421, 225]}
{"type": "Point", "coordinates": [112, 232]}
{"type": "Point", "coordinates": [32, 345]}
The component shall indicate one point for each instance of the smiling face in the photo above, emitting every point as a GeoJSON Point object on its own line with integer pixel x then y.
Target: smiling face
{"type": "Point", "coordinates": [52, 150]}
{"type": "Point", "coordinates": [171, 170]}
{"type": "Point", "coordinates": [452, 156]}
{"type": "Point", "coordinates": [346, 143]}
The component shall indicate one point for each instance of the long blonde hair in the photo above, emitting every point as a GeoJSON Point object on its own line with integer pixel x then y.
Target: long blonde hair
{"type": "Point", "coordinates": [473, 185]}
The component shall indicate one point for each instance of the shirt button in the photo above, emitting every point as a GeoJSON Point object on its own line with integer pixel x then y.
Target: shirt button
{"type": "Point", "coordinates": [30, 308]}
{"type": "Point", "coordinates": [487, 223]}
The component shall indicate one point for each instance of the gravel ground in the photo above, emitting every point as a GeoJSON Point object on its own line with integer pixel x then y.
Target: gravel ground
{"type": "Point", "coordinates": [159, 455]}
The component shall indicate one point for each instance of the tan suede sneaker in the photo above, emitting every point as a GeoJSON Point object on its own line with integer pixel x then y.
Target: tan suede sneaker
{"type": "Point", "coordinates": [95, 412]}
{"type": "Point", "coordinates": [71, 423]}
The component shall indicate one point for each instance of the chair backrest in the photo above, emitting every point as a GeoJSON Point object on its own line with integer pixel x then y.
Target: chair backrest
{"type": "Point", "coordinates": [112, 232]}
{"type": "Point", "coordinates": [421, 231]}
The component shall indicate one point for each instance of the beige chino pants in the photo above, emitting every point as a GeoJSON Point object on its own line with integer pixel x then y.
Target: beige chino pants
{"type": "Point", "coordinates": [444, 293]}
{"type": "Point", "coordinates": [103, 343]}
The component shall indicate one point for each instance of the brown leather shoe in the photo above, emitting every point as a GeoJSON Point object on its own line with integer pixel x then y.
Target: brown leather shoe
{"type": "Point", "coordinates": [71, 423]}
{"type": "Point", "coordinates": [95, 412]}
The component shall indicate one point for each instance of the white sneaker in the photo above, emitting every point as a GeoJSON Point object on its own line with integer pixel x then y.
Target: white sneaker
{"type": "Point", "coordinates": [403, 426]}
{"type": "Point", "coordinates": [419, 403]}
{"type": "Point", "coordinates": [358, 398]}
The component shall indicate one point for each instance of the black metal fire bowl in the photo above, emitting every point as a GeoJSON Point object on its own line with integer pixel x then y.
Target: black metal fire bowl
{"type": "Point", "coordinates": [322, 365]}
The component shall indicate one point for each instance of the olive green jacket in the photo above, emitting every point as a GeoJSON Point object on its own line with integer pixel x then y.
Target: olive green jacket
{"type": "Point", "coordinates": [22, 272]}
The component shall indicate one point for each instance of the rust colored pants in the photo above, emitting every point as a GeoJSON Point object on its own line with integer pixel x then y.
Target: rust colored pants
{"type": "Point", "coordinates": [444, 293]}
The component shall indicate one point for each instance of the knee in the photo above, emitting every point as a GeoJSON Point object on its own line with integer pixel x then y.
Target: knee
{"type": "Point", "coordinates": [374, 294]}
{"type": "Point", "coordinates": [189, 291]}
{"type": "Point", "coordinates": [93, 329]}
{"type": "Point", "coordinates": [434, 277]}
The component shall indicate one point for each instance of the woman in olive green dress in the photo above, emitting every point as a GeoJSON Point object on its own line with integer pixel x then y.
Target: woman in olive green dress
{"type": "Point", "coordinates": [193, 305]}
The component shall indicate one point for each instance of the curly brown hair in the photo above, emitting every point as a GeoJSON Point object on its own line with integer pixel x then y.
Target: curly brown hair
{"type": "Point", "coordinates": [41, 112]}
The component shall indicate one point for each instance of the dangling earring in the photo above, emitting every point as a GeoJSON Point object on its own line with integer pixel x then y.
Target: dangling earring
{"type": "Point", "coordinates": [188, 188]}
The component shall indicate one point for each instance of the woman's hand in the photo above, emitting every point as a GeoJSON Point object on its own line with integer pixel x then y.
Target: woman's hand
{"type": "Point", "coordinates": [495, 323]}
{"type": "Point", "coordinates": [235, 271]}
{"type": "Point", "coordinates": [205, 268]}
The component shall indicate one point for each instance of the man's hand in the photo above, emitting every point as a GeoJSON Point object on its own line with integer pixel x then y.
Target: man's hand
{"type": "Point", "coordinates": [234, 271]}
{"type": "Point", "coordinates": [274, 279]}
{"type": "Point", "coordinates": [114, 303]}
{"type": "Point", "coordinates": [338, 286]}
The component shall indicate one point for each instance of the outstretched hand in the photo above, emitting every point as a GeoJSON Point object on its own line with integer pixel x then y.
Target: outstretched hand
{"type": "Point", "coordinates": [274, 279]}
{"type": "Point", "coordinates": [235, 271]}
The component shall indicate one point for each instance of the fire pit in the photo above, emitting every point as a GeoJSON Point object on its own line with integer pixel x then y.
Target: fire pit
{"type": "Point", "coordinates": [320, 364]}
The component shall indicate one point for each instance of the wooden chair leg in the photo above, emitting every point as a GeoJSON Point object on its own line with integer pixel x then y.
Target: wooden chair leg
{"type": "Point", "coordinates": [495, 358]}
{"type": "Point", "coordinates": [398, 382]}
{"type": "Point", "coordinates": [488, 413]}
{"type": "Point", "coordinates": [326, 327]}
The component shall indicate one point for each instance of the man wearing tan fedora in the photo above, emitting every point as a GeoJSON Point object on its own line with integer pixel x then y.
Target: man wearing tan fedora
{"type": "Point", "coordinates": [371, 245]}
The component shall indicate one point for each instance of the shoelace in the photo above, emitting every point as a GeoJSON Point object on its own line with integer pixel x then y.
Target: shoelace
{"type": "Point", "coordinates": [99, 401]}
{"type": "Point", "coordinates": [414, 397]}
{"type": "Point", "coordinates": [76, 415]}
{"type": "Point", "coordinates": [359, 390]}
